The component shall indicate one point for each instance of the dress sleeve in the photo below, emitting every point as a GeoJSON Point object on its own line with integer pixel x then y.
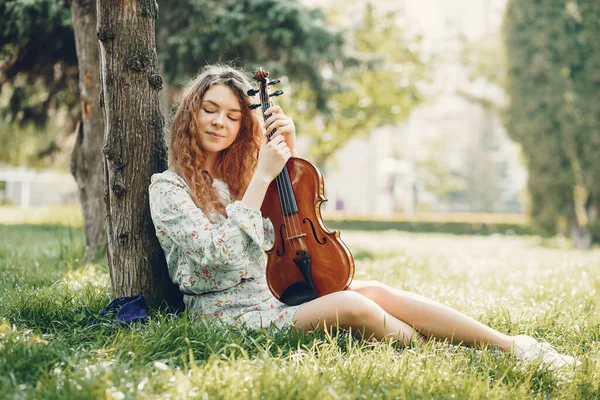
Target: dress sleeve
{"type": "Point", "coordinates": [215, 255]}
{"type": "Point", "coordinates": [269, 234]}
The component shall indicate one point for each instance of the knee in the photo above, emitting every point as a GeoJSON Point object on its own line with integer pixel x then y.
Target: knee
{"type": "Point", "coordinates": [357, 285]}
{"type": "Point", "coordinates": [375, 291]}
{"type": "Point", "coordinates": [358, 309]}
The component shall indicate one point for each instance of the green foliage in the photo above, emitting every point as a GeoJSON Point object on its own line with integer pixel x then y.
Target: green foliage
{"type": "Point", "coordinates": [380, 89]}
{"type": "Point", "coordinates": [38, 82]}
{"type": "Point", "coordinates": [282, 36]}
{"type": "Point", "coordinates": [38, 63]}
{"type": "Point", "coordinates": [30, 145]}
{"type": "Point", "coordinates": [48, 350]}
{"type": "Point", "coordinates": [553, 82]}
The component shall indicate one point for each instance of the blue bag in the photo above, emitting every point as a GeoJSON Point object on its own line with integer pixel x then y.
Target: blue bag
{"type": "Point", "coordinates": [129, 309]}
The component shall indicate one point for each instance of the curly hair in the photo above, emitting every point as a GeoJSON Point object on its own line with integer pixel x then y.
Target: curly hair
{"type": "Point", "coordinates": [187, 157]}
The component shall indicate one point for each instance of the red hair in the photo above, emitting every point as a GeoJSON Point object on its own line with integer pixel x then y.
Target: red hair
{"type": "Point", "coordinates": [236, 164]}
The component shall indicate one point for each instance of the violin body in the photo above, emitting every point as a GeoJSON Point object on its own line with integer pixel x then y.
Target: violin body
{"type": "Point", "coordinates": [332, 264]}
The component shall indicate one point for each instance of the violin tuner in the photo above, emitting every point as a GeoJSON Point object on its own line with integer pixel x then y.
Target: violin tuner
{"type": "Point", "coordinates": [274, 82]}
{"type": "Point", "coordinates": [277, 93]}
{"type": "Point", "coordinates": [252, 92]}
{"type": "Point", "coordinates": [254, 106]}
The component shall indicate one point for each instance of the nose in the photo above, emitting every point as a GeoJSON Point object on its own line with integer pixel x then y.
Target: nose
{"type": "Point", "coordinates": [217, 120]}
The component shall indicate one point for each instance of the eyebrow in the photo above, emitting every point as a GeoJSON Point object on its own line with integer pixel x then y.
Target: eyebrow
{"type": "Point", "coordinates": [216, 105]}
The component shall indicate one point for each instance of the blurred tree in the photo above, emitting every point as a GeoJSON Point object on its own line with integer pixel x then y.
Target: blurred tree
{"type": "Point", "coordinates": [86, 158]}
{"type": "Point", "coordinates": [281, 36]}
{"type": "Point", "coordinates": [553, 83]}
{"type": "Point", "coordinates": [484, 174]}
{"type": "Point", "coordinates": [381, 88]}
{"type": "Point", "coordinates": [39, 63]}
{"type": "Point", "coordinates": [434, 171]}
{"type": "Point", "coordinates": [41, 60]}
{"type": "Point", "coordinates": [485, 62]}
{"type": "Point", "coordinates": [38, 71]}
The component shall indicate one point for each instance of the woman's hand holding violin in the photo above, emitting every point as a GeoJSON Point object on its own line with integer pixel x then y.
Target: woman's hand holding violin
{"type": "Point", "coordinates": [283, 125]}
{"type": "Point", "coordinates": [272, 157]}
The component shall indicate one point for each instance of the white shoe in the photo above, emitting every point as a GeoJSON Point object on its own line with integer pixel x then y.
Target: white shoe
{"type": "Point", "coordinates": [526, 348]}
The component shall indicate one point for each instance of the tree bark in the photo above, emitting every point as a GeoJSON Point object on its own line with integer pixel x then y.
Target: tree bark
{"type": "Point", "coordinates": [134, 149]}
{"type": "Point", "coordinates": [86, 158]}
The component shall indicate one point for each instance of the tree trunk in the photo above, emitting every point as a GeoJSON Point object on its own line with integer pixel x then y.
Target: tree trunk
{"type": "Point", "coordinates": [581, 234]}
{"type": "Point", "coordinates": [134, 148]}
{"type": "Point", "coordinates": [86, 158]}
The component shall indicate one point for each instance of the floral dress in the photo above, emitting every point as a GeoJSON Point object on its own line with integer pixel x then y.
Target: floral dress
{"type": "Point", "coordinates": [220, 266]}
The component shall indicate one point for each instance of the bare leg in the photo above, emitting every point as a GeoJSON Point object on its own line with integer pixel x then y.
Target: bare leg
{"type": "Point", "coordinates": [430, 317]}
{"type": "Point", "coordinates": [379, 311]}
{"type": "Point", "coordinates": [350, 309]}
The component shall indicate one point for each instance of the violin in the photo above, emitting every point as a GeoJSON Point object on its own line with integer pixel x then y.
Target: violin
{"type": "Point", "coordinates": [307, 260]}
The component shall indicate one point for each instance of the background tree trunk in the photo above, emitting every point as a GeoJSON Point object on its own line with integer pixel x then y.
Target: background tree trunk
{"type": "Point", "coordinates": [581, 233]}
{"type": "Point", "coordinates": [86, 158]}
{"type": "Point", "coordinates": [134, 148]}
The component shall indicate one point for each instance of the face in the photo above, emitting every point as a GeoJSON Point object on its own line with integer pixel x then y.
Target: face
{"type": "Point", "coordinates": [220, 120]}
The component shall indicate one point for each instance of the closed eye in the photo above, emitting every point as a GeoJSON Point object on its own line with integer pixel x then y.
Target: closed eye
{"type": "Point", "coordinates": [231, 118]}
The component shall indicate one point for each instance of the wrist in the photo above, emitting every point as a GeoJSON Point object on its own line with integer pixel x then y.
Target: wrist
{"type": "Point", "coordinates": [255, 192]}
{"type": "Point", "coordinates": [262, 177]}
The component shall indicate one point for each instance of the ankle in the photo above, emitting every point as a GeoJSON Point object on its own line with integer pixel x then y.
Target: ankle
{"type": "Point", "coordinates": [507, 343]}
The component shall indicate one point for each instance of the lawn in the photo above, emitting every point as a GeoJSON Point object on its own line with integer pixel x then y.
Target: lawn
{"type": "Point", "coordinates": [542, 287]}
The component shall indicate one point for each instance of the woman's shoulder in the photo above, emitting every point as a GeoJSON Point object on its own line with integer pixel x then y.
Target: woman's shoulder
{"type": "Point", "coordinates": [170, 181]}
{"type": "Point", "coordinates": [168, 177]}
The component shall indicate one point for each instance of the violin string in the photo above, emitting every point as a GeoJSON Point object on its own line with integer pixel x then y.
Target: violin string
{"type": "Point", "coordinates": [282, 202]}
{"type": "Point", "coordinates": [295, 219]}
{"type": "Point", "coordinates": [285, 191]}
{"type": "Point", "coordinates": [294, 214]}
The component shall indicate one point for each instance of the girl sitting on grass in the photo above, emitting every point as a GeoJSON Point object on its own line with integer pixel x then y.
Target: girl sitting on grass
{"type": "Point", "coordinates": [205, 209]}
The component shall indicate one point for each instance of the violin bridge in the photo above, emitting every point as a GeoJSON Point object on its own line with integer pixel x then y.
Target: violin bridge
{"type": "Point", "coordinates": [297, 236]}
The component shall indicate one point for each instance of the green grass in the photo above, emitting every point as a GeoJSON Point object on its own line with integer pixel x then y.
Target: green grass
{"type": "Point", "coordinates": [541, 287]}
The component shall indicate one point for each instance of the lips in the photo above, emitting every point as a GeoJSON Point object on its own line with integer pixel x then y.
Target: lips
{"type": "Point", "coordinates": [215, 135]}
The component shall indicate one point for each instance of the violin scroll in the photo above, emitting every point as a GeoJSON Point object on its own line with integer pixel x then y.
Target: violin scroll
{"type": "Point", "coordinates": [260, 74]}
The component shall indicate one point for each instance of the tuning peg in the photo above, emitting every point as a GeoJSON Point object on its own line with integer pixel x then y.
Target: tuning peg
{"type": "Point", "coordinates": [274, 82]}
{"type": "Point", "coordinates": [277, 93]}
{"type": "Point", "coordinates": [253, 106]}
{"type": "Point", "coordinates": [252, 92]}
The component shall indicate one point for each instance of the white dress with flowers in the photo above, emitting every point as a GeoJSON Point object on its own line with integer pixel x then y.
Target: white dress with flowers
{"type": "Point", "coordinates": [220, 266]}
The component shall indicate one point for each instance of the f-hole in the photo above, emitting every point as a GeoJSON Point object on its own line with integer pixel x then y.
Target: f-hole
{"type": "Point", "coordinates": [315, 232]}
{"type": "Point", "coordinates": [282, 252]}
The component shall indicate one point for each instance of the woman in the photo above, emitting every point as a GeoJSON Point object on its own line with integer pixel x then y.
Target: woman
{"type": "Point", "coordinates": [205, 209]}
